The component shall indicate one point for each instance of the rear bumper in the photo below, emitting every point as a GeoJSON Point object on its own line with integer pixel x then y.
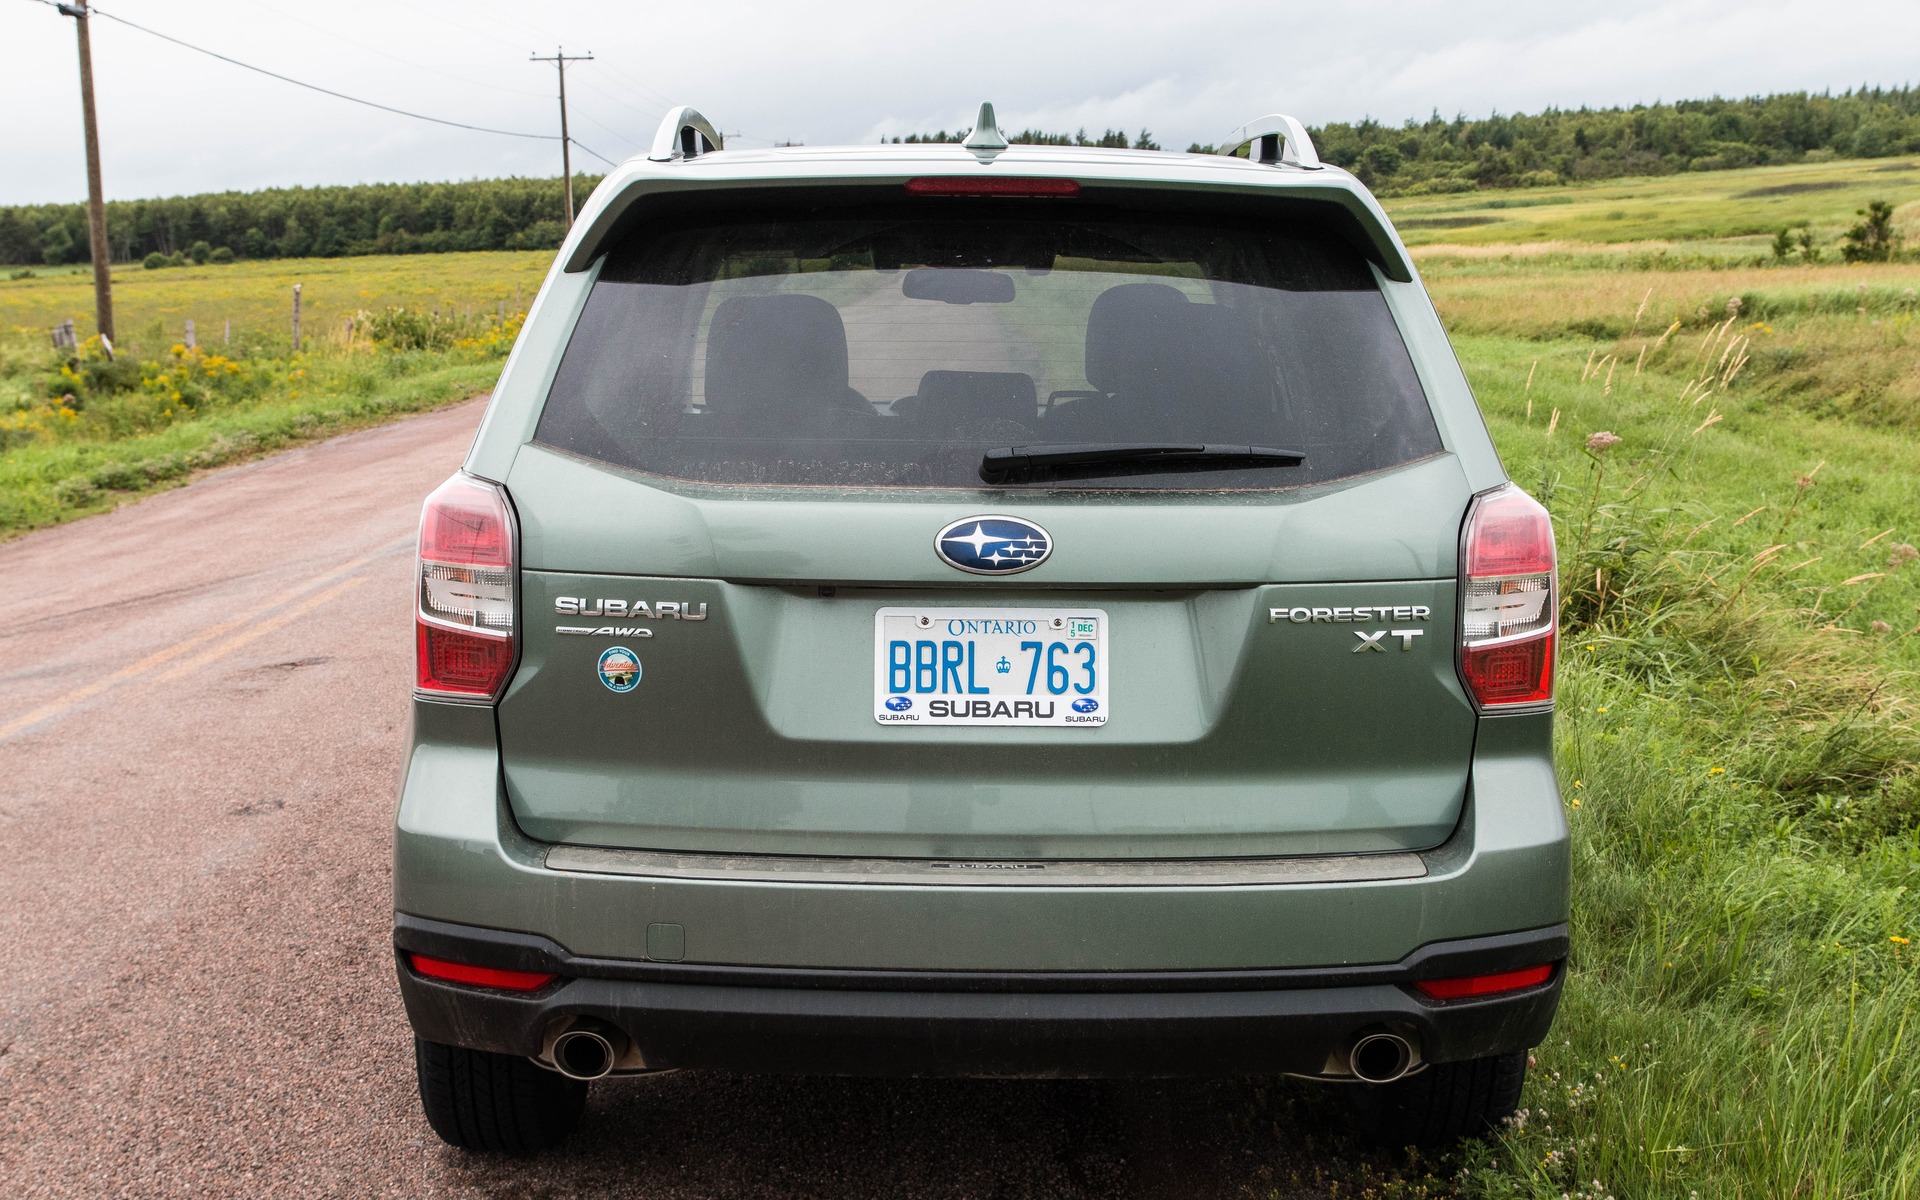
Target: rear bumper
{"type": "Point", "coordinates": [459, 857]}
{"type": "Point", "coordinates": [994, 1023]}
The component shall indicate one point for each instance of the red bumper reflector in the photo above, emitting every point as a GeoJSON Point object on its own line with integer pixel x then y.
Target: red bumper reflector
{"type": "Point", "coordinates": [992, 185]}
{"type": "Point", "coordinates": [493, 977]}
{"type": "Point", "coordinates": [1485, 985]}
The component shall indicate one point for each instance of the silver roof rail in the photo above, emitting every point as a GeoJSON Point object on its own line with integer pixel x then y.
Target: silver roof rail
{"type": "Point", "coordinates": [1270, 131]}
{"type": "Point", "coordinates": [684, 134]}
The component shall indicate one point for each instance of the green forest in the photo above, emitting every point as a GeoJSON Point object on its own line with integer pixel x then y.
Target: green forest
{"type": "Point", "coordinates": [1435, 155]}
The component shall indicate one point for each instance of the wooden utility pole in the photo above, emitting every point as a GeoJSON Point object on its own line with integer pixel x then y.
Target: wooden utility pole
{"type": "Point", "coordinates": [96, 199]}
{"type": "Point", "coordinates": [560, 60]}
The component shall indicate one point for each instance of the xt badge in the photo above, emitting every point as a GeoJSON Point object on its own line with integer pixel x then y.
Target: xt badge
{"type": "Point", "coordinates": [1371, 641]}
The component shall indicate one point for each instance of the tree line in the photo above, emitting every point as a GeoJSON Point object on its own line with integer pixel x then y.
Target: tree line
{"type": "Point", "coordinates": [1566, 145]}
{"type": "Point", "coordinates": [326, 222]}
{"type": "Point", "coordinates": [1435, 155]}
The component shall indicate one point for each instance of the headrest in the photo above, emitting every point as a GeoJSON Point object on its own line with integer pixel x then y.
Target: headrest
{"type": "Point", "coordinates": [1125, 332]}
{"type": "Point", "coordinates": [967, 396]}
{"type": "Point", "coordinates": [773, 352]}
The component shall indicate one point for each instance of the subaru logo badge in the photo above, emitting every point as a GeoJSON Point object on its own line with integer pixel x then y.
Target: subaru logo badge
{"type": "Point", "coordinates": [900, 703]}
{"type": "Point", "coordinates": [993, 545]}
{"type": "Point", "coordinates": [1085, 706]}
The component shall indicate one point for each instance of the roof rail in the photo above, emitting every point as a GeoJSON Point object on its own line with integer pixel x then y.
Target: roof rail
{"type": "Point", "coordinates": [1270, 131]}
{"type": "Point", "coordinates": [684, 134]}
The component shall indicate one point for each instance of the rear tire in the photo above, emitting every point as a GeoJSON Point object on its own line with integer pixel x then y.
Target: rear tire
{"type": "Point", "coordinates": [495, 1102]}
{"type": "Point", "coordinates": [1444, 1103]}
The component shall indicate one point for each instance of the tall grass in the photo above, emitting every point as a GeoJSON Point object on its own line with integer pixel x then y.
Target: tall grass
{"type": "Point", "coordinates": [1742, 780]}
{"type": "Point", "coordinates": [81, 432]}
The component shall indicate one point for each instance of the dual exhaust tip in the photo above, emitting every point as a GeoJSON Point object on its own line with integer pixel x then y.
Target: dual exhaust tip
{"type": "Point", "coordinates": [1381, 1057]}
{"type": "Point", "coordinates": [588, 1050]}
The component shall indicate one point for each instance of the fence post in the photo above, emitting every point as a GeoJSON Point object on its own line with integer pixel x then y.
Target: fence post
{"type": "Point", "coordinates": [191, 344]}
{"type": "Point", "coordinates": [228, 339]}
{"type": "Point", "coordinates": [296, 318]}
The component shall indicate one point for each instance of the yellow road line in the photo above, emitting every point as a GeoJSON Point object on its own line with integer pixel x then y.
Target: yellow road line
{"type": "Point", "coordinates": [222, 649]}
{"type": "Point", "coordinates": [166, 654]}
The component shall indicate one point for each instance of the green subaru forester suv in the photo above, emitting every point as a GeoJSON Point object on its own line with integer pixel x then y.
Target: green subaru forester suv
{"type": "Point", "coordinates": [984, 610]}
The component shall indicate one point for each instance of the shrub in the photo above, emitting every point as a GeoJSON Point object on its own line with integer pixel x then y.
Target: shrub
{"type": "Point", "coordinates": [156, 260]}
{"type": "Point", "coordinates": [199, 252]}
{"type": "Point", "coordinates": [1874, 239]}
{"type": "Point", "coordinates": [221, 254]}
{"type": "Point", "coordinates": [407, 329]}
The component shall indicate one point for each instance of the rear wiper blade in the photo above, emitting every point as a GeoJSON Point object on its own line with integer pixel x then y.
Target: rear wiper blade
{"type": "Point", "coordinates": [1083, 458]}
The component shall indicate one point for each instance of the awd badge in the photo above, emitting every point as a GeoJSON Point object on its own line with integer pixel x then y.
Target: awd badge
{"type": "Point", "coordinates": [619, 669]}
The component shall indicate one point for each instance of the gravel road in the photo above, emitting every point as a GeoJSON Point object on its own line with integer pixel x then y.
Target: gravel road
{"type": "Point", "coordinates": [202, 708]}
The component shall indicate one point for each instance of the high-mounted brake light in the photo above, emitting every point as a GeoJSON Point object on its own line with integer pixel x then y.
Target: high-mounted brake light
{"type": "Point", "coordinates": [991, 185]}
{"type": "Point", "coordinates": [463, 627]}
{"type": "Point", "coordinates": [493, 977]}
{"type": "Point", "coordinates": [1509, 615]}
{"type": "Point", "coordinates": [1484, 985]}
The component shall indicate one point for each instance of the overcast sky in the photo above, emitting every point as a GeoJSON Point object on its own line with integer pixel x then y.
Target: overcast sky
{"type": "Point", "coordinates": [173, 121]}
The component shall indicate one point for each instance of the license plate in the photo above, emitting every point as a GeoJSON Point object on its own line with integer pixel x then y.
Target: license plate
{"type": "Point", "coordinates": [990, 666]}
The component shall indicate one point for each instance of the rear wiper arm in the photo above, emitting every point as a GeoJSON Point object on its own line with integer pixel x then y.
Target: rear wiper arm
{"type": "Point", "coordinates": [1083, 458]}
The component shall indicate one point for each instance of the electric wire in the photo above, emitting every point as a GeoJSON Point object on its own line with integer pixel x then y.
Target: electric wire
{"type": "Point", "coordinates": [314, 87]}
{"type": "Point", "coordinates": [388, 54]}
{"type": "Point", "coordinates": [325, 91]}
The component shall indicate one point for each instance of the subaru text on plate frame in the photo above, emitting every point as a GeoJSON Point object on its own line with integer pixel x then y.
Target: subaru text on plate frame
{"type": "Point", "coordinates": [1103, 642]}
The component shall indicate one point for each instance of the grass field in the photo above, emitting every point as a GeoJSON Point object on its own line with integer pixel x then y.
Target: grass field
{"type": "Point", "coordinates": [151, 308]}
{"type": "Point", "coordinates": [1742, 617]}
{"type": "Point", "coordinates": [1713, 214]}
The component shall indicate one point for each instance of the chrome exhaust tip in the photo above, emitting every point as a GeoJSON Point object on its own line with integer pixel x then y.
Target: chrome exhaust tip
{"type": "Point", "coordinates": [1381, 1057]}
{"type": "Point", "coordinates": [588, 1051]}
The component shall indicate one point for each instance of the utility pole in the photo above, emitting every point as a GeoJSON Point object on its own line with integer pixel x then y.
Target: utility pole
{"type": "Point", "coordinates": [560, 60]}
{"type": "Point", "coordinates": [96, 200]}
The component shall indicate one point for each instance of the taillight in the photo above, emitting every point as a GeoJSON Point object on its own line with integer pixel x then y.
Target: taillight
{"type": "Point", "coordinates": [463, 626]}
{"type": "Point", "coordinates": [493, 977]}
{"type": "Point", "coordinates": [1509, 617]}
{"type": "Point", "coordinates": [1484, 985]}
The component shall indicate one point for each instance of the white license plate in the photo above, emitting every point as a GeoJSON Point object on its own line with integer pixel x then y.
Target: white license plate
{"type": "Point", "coordinates": [990, 666]}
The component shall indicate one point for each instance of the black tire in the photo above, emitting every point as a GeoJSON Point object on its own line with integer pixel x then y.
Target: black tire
{"type": "Point", "coordinates": [495, 1102]}
{"type": "Point", "coordinates": [1444, 1103]}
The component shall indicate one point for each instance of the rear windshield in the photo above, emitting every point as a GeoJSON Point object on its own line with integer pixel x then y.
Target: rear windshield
{"type": "Point", "coordinates": [896, 348]}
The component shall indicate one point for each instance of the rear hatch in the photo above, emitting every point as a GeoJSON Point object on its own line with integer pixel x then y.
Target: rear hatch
{"type": "Point", "coordinates": [1018, 530]}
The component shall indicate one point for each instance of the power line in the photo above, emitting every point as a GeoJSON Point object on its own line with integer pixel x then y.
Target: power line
{"type": "Point", "coordinates": [418, 66]}
{"type": "Point", "coordinates": [314, 87]}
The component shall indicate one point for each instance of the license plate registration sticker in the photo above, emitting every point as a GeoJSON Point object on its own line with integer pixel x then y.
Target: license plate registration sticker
{"type": "Point", "coordinates": [990, 666]}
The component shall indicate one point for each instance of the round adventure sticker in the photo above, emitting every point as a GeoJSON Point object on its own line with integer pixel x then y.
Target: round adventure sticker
{"type": "Point", "coordinates": [619, 669]}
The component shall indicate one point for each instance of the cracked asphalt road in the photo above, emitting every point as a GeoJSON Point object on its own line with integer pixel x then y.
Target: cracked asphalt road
{"type": "Point", "coordinates": [202, 707]}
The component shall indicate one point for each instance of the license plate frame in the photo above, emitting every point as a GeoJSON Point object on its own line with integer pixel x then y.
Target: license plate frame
{"type": "Point", "coordinates": [972, 645]}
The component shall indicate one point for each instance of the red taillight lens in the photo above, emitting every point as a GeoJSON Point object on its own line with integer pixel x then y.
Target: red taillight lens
{"type": "Point", "coordinates": [1484, 985]}
{"type": "Point", "coordinates": [992, 185]}
{"type": "Point", "coordinates": [493, 977]}
{"type": "Point", "coordinates": [1509, 615]}
{"type": "Point", "coordinates": [464, 619]}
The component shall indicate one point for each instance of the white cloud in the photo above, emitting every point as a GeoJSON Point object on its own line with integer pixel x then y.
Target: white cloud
{"type": "Point", "coordinates": [173, 121]}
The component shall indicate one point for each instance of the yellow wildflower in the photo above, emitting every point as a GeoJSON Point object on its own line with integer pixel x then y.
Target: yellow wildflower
{"type": "Point", "coordinates": [1717, 771]}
